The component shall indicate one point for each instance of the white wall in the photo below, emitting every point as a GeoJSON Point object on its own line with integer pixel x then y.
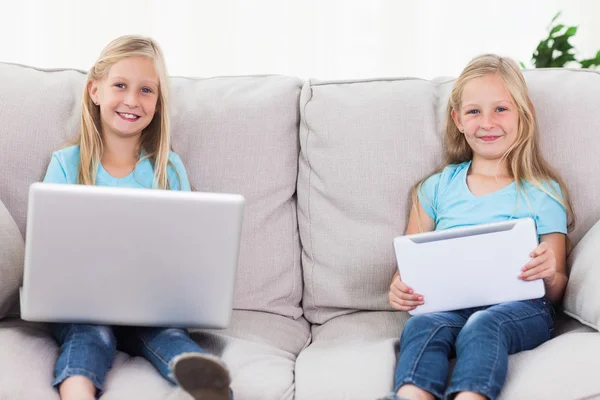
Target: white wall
{"type": "Point", "coordinates": [307, 38]}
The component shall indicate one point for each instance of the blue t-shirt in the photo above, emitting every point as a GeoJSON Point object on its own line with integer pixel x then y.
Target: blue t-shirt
{"type": "Point", "coordinates": [64, 168]}
{"type": "Point", "coordinates": [448, 200]}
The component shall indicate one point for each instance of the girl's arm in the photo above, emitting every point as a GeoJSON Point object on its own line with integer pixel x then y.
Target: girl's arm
{"type": "Point", "coordinates": [417, 219]}
{"type": "Point", "coordinates": [401, 296]}
{"type": "Point", "coordinates": [549, 262]}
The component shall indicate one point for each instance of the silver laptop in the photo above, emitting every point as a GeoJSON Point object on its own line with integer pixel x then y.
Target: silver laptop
{"type": "Point", "coordinates": [469, 267]}
{"type": "Point", "coordinates": [139, 257]}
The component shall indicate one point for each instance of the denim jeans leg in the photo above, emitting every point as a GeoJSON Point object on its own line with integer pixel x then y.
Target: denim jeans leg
{"type": "Point", "coordinates": [490, 336]}
{"type": "Point", "coordinates": [157, 345]}
{"type": "Point", "coordinates": [86, 350]}
{"type": "Point", "coordinates": [426, 344]}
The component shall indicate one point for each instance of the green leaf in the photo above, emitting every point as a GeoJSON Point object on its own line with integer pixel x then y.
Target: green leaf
{"type": "Point", "coordinates": [542, 60]}
{"type": "Point", "coordinates": [556, 29]}
{"type": "Point", "coordinates": [561, 43]}
{"type": "Point", "coordinates": [556, 51]}
{"type": "Point", "coordinates": [545, 47]}
{"type": "Point", "coordinates": [571, 31]}
{"type": "Point", "coordinates": [562, 60]}
{"type": "Point", "coordinates": [522, 64]}
{"type": "Point", "coordinates": [591, 62]}
{"type": "Point", "coordinates": [588, 63]}
{"type": "Point", "coordinates": [542, 57]}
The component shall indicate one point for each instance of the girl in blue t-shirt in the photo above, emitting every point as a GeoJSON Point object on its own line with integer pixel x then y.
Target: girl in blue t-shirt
{"type": "Point", "coordinates": [493, 171]}
{"type": "Point", "coordinates": [124, 140]}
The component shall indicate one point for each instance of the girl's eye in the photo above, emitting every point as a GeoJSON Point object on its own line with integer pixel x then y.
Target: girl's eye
{"type": "Point", "coordinates": [120, 85]}
{"type": "Point", "coordinates": [473, 112]}
{"type": "Point", "coordinates": [500, 109]}
{"type": "Point", "coordinates": [146, 90]}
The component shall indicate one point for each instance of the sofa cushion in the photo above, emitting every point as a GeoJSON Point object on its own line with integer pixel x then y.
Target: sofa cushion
{"type": "Point", "coordinates": [237, 134]}
{"type": "Point", "coordinates": [364, 144]}
{"type": "Point", "coordinates": [562, 368]}
{"type": "Point", "coordinates": [11, 261]}
{"type": "Point", "coordinates": [240, 135]}
{"type": "Point", "coordinates": [260, 350]}
{"type": "Point", "coordinates": [353, 357]}
{"type": "Point", "coordinates": [565, 325]}
{"type": "Point", "coordinates": [582, 297]}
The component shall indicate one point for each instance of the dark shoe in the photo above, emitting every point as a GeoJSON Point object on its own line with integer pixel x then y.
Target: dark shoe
{"type": "Point", "coordinates": [203, 376]}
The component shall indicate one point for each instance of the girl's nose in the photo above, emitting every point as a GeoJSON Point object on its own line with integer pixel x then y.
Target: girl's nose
{"type": "Point", "coordinates": [131, 99]}
{"type": "Point", "coordinates": [487, 122]}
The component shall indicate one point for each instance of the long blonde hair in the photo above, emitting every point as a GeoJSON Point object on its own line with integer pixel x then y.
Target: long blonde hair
{"type": "Point", "coordinates": [155, 139]}
{"type": "Point", "coordinates": [524, 159]}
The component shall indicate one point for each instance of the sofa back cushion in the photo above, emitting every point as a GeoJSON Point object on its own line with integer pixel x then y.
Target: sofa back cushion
{"type": "Point", "coordinates": [364, 144]}
{"type": "Point", "coordinates": [237, 135]}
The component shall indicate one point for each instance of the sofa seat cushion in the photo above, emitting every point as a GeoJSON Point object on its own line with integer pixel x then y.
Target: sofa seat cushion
{"type": "Point", "coordinates": [353, 357]}
{"type": "Point", "coordinates": [259, 348]}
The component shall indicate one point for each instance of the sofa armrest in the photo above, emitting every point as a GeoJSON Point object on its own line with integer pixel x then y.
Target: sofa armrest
{"type": "Point", "coordinates": [582, 297]}
{"type": "Point", "coordinates": [12, 251]}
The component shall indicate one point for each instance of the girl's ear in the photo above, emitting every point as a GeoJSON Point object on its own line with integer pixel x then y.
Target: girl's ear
{"type": "Point", "coordinates": [456, 119]}
{"type": "Point", "coordinates": [93, 91]}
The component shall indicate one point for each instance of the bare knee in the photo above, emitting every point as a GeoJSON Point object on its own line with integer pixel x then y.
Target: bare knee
{"type": "Point", "coordinates": [414, 392]}
{"type": "Point", "coordinates": [77, 388]}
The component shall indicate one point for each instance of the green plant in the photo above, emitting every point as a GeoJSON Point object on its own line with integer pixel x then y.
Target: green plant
{"type": "Point", "coordinates": [555, 51]}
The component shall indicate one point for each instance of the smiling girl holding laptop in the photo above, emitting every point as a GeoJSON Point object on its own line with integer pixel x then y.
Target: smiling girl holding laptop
{"type": "Point", "coordinates": [124, 140]}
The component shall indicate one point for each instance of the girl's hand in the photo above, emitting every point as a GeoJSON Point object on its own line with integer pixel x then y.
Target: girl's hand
{"type": "Point", "coordinates": [542, 265]}
{"type": "Point", "coordinates": [402, 297]}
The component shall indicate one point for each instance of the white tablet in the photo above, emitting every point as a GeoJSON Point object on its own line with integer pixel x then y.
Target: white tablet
{"type": "Point", "coordinates": [469, 267]}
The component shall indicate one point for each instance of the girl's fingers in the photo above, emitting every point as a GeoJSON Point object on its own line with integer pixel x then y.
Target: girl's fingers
{"type": "Point", "coordinates": [541, 249]}
{"type": "Point", "coordinates": [530, 274]}
{"type": "Point", "coordinates": [535, 262]}
{"type": "Point", "coordinates": [401, 307]}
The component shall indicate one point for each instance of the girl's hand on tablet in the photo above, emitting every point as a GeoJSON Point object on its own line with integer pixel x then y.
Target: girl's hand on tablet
{"type": "Point", "coordinates": [402, 297]}
{"type": "Point", "coordinates": [542, 265]}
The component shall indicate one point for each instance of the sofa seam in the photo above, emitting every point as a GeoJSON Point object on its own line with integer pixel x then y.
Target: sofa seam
{"type": "Point", "coordinates": [448, 80]}
{"type": "Point", "coordinates": [199, 78]}
{"type": "Point", "coordinates": [85, 72]}
{"type": "Point", "coordinates": [39, 69]}
{"type": "Point", "coordinates": [312, 82]}
{"type": "Point", "coordinates": [359, 81]}
{"type": "Point", "coordinates": [295, 266]}
{"type": "Point", "coordinates": [308, 341]}
{"type": "Point", "coordinates": [290, 202]}
{"type": "Point", "coordinates": [308, 204]}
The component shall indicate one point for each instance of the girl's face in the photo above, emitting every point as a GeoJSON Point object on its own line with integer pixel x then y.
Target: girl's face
{"type": "Point", "coordinates": [488, 117]}
{"type": "Point", "coordinates": [127, 96]}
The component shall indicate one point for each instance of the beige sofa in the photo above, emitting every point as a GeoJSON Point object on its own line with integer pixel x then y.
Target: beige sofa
{"type": "Point", "coordinates": [326, 169]}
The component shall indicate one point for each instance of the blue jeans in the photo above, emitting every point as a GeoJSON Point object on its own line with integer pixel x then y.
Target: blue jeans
{"type": "Point", "coordinates": [480, 338]}
{"type": "Point", "coordinates": [89, 350]}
